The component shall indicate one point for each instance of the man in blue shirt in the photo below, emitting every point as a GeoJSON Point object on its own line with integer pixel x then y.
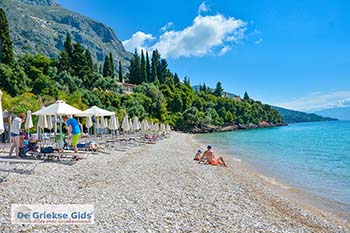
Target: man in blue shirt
{"type": "Point", "coordinates": [73, 129]}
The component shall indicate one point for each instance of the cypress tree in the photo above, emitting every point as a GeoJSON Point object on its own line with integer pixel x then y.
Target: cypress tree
{"type": "Point", "coordinates": [6, 50]}
{"type": "Point", "coordinates": [148, 68]}
{"type": "Point", "coordinates": [120, 72]}
{"type": "Point", "coordinates": [155, 65]}
{"type": "Point", "coordinates": [79, 62]}
{"type": "Point", "coordinates": [218, 90]}
{"type": "Point", "coordinates": [68, 45]}
{"type": "Point", "coordinates": [66, 55]}
{"type": "Point", "coordinates": [106, 67]}
{"type": "Point", "coordinates": [111, 64]}
{"type": "Point", "coordinates": [176, 79]}
{"type": "Point", "coordinates": [163, 71]}
{"type": "Point", "coordinates": [89, 61]}
{"type": "Point", "coordinates": [246, 96]}
{"type": "Point", "coordinates": [143, 73]}
{"type": "Point", "coordinates": [135, 69]}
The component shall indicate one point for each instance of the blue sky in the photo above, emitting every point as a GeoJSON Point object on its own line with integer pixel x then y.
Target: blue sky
{"type": "Point", "coordinates": [294, 54]}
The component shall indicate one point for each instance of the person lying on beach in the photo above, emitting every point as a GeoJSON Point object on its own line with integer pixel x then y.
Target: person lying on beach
{"type": "Point", "coordinates": [198, 155]}
{"type": "Point", "coordinates": [211, 158]}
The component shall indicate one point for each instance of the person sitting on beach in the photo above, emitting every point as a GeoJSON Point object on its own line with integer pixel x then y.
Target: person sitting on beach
{"type": "Point", "coordinates": [211, 158]}
{"type": "Point", "coordinates": [198, 155]}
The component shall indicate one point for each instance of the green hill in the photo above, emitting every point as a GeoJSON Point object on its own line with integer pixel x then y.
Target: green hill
{"type": "Point", "coordinates": [40, 27]}
{"type": "Point", "coordinates": [291, 116]}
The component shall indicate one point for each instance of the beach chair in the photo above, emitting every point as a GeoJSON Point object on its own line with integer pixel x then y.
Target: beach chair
{"type": "Point", "coordinates": [5, 170]}
{"type": "Point", "coordinates": [21, 165]}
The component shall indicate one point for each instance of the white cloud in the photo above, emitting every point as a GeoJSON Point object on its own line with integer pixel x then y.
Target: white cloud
{"type": "Point", "coordinates": [224, 50]}
{"type": "Point", "coordinates": [203, 7]}
{"type": "Point", "coordinates": [318, 101]}
{"type": "Point", "coordinates": [207, 35]}
{"type": "Point", "coordinates": [167, 26]}
{"type": "Point", "coordinates": [138, 41]}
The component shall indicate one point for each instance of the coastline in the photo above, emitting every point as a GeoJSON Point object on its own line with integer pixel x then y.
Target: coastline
{"type": "Point", "coordinates": [159, 188]}
{"type": "Point", "coordinates": [318, 205]}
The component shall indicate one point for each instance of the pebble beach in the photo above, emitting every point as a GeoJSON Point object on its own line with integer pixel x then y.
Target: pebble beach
{"type": "Point", "coordinates": [159, 188]}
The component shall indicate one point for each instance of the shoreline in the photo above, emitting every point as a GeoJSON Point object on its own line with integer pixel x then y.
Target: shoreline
{"type": "Point", "coordinates": [320, 205]}
{"type": "Point", "coordinates": [159, 188]}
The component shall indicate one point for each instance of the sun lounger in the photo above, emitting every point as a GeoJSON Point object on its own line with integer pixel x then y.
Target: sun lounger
{"type": "Point", "coordinates": [16, 165]}
{"type": "Point", "coordinates": [5, 170]}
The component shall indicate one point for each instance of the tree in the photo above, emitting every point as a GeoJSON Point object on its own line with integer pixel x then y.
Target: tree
{"type": "Point", "coordinates": [246, 96]}
{"type": "Point", "coordinates": [65, 58]}
{"type": "Point", "coordinates": [135, 69]}
{"type": "Point", "coordinates": [155, 65]}
{"type": "Point", "coordinates": [163, 71]}
{"type": "Point", "coordinates": [143, 74]}
{"type": "Point", "coordinates": [107, 67]}
{"type": "Point", "coordinates": [176, 79]}
{"type": "Point", "coordinates": [120, 72]}
{"type": "Point", "coordinates": [148, 68]}
{"type": "Point", "coordinates": [218, 90]}
{"type": "Point", "coordinates": [111, 65]}
{"type": "Point", "coordinates": [89, 61]}
{"type": "Point", "coordinates": [79, 62]}
{"type": "Point", "coordinates": [6, 50]}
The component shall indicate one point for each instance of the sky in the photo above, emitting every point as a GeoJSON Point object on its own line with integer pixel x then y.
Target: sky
{"type": "Point", "coordinates": [293, 54]}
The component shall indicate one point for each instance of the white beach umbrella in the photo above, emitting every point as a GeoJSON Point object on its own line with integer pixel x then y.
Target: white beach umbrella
{"type": "Point", "coordinates": [88, 122]}
{"type": "Point", "coordinates": [162, 128]}
{"type": "Point", "coordinates": [113, 123]}
{"type": "Point", "coordinates": [1, 117]}
{"type": "Point", "coordinates": [125, 124]}
{"type": "Point", "coordinates": [102, 123]}
{"type": "Point", "coordinates": [130, 124]}
{"type": "Point", "coordinates": [59, 108]}
{"type": "Point", "coordinates": [42, 123]}
{"type": "Point", "coordinates": [98, 124]}
{"type": "Point", "coordinates": [49, 123]}
{"type": "Point", "coordinates": [168, 129]}
{"type": "Point", "coordinates": [136, 124]}
{"type": "Point", "coordinates": [95, 111]}
{"type": "Point", "coordinates": [156, 127]}
{"type": "Point", "coordinates": [143, 126]}
{"type": "Point", "coordinates": [29, 121]}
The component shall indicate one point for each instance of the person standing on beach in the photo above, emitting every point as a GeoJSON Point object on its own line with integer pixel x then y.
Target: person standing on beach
{"type": "Point", "coordinates": [74, 131]}
{"type": "Point", "coordinates": [15, 133]}
{"type": "Point", "coordinates": [211, 158]}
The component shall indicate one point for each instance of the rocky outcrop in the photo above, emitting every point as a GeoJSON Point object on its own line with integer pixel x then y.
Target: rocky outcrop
{"type": "Point", "coordinates": [40, 27]}
{"type": "Point", "coordinates": [229, 127]}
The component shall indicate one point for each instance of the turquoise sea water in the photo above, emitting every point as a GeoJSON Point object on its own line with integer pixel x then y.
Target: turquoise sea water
{"type": "Point", "coordinates": [314, 157]}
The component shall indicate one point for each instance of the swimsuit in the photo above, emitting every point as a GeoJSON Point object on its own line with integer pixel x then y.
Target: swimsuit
{"type": "Point", "coordinates": [214, 162]}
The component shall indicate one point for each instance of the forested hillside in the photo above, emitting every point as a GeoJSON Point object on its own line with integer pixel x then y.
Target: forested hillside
{"type": "Point", "coordinates": [160, 95]}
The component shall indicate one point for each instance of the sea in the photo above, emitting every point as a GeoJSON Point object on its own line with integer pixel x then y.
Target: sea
{"type": "Point", "coordinates": [313, 157]}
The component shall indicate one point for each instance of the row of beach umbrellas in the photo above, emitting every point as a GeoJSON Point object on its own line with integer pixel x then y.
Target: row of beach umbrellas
{"type": "Point", "coordinates": [54, 112]}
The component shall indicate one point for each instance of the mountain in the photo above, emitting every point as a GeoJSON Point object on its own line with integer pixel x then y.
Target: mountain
{"type": "Point", "coordinates": [40, 27]}
{"type": "Point", "coordinates": [339, 113]}
{"type": "Point", "coordinates": [291, 116]}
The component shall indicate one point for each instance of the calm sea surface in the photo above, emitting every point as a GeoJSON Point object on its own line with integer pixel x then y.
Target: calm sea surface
{"type": "Point", "coordinates": [314, 157]}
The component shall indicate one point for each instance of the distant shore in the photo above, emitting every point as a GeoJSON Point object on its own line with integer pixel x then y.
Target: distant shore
{"type": "Point", "coordinates": [160, 188]}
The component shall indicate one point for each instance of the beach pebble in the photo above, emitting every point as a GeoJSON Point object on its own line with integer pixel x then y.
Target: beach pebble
{"type": "Point", "coordinates": [158, 188]}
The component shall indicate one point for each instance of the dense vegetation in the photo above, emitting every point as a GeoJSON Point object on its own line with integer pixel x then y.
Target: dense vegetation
{"type": "Point", "coordinates": [160, 95]}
